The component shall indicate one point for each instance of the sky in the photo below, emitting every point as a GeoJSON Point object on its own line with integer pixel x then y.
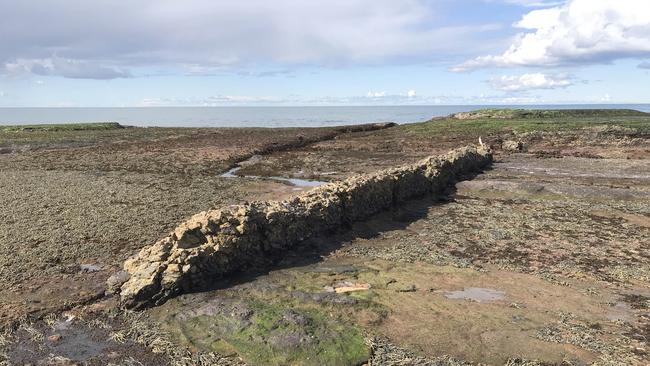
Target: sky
{"type": "Point", "coordinates": [109, 53]}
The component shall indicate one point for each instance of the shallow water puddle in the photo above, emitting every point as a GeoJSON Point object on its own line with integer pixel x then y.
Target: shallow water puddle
{"type": "Point", "coordinates": [231, 173]}
{"type": "Point", "coordinates": [65, 339]}
{"type": "Point", "coordinates": [478, 294]}
{"type": "Point", "coordinates": [293, 181]}
{"type": "Point", "coordinates": [62, 325]}
{"type": "Point", "coordinates": [88, 267]}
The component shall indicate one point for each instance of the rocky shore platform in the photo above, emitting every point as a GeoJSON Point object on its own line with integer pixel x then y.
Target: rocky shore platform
{"type": "Point", "coordinates": [540, 258]}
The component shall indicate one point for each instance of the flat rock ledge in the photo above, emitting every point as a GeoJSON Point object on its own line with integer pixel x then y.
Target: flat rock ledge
{"type": "Point", "coordinates": [216, 243]}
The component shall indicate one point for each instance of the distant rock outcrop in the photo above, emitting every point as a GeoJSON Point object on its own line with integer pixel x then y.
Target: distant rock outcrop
{"type": "Point", "coordinates": [507, 113]}
{"type": "Point", "coordinates": [213, 244]}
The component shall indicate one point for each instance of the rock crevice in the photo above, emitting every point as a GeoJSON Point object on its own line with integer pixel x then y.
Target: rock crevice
{"type": "Point", "coordinates": [213, 244]}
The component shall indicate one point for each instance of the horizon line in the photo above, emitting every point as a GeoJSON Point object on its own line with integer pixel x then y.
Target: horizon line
{"type": "Point", "coordinates": [333, 105]}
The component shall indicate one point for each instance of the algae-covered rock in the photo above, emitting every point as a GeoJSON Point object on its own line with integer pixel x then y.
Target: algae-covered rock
{"type": "Point", "coordinates": [213, 244]}
{"type": "Point", "coordinates": [264, 333]}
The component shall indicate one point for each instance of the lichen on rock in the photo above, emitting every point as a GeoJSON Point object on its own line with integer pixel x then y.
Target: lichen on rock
{"type": "Point", "coordinates": [213, 244]}
{"type": "Point", "coordinates": [512, 146]}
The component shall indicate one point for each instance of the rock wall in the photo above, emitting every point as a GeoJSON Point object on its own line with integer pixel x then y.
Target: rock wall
{"type": "Point", "coordinates": [213, 244]}
{"type": "Point", "coordinates": [304, 141]}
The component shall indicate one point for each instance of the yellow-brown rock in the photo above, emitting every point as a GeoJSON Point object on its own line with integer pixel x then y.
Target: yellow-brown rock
{"type": "Point", "coordinates": [213, 244]}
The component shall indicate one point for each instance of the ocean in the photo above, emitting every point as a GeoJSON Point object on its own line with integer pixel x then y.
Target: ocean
{"type": "Point", "coordinates": [256, 116]}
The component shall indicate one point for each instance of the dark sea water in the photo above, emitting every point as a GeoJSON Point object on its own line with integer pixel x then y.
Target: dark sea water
{"type": "Point", "coordinates": [255, 116]}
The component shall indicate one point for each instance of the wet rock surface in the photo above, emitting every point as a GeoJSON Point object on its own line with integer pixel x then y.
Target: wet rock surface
{"type": "Point", "coordinates": [72, 341]}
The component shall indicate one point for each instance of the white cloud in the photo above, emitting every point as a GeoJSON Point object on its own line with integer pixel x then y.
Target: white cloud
{"type": "Point", "coordinates": [382, 94]}
{"type": "Point", "coordinates": [101, 38]}
{"type": "Point", "coordinates": [379, 94]}
{"type": "Point", "coordinates": [210, 101]}
{"type": "Point", "coordinates": [358, 100]}
{"type": "Point", "coordinates": [644, 65]}
{"type": "Point", "coordinates": [582, 31]}
{"type": "Point", "coordinates": [73, 69]}
{"type": "Point", "coordinates": [516, 83]}
{"type": "Point", "coordinates": [530, 3]}
{"type": "Point", "coordinates": [403, 99]}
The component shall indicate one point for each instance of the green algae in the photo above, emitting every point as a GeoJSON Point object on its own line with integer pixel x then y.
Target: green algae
{"type": "Point", "coordinates": [63, 127]}
{"type": "Point", "coordinates": [278, 334]}
{"type": "Point", "coordinates": [500, 121]}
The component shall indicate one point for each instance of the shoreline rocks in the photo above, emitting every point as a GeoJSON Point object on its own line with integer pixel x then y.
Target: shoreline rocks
{"type": "Point", "coordinates": [216, 243]}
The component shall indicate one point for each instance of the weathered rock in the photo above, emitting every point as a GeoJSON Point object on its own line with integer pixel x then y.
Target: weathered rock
{"type": "Point", "coordinates": [514, 146]}
{"type": "Point", "coordinates": [213, 244]}
{"type": "Point", "coordinates": [116, 281]}
{"type": "Point", "coordinates": [409, 288]}
{"type": "Point", "coordinates": [54, 338]}
{"type": "Point", "coordinates": [486, 113]}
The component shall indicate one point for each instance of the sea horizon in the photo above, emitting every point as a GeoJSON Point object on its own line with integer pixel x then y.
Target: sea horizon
{"type": "Point", "coordinates": [263, 116]}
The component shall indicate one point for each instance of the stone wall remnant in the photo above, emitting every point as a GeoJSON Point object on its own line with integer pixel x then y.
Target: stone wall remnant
{"type": "Point", "coordinates": [216, 243]}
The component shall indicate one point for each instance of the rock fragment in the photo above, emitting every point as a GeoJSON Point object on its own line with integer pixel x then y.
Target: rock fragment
{"type": "Point", "coordinates": [513, 146]}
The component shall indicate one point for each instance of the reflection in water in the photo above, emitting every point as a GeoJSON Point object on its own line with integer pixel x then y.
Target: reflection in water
{"type": "Point", "coordinates": [293, 181]}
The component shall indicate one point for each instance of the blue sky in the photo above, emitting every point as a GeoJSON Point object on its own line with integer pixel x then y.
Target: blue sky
{"type": "Point", "coordinates": [336, 52]}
